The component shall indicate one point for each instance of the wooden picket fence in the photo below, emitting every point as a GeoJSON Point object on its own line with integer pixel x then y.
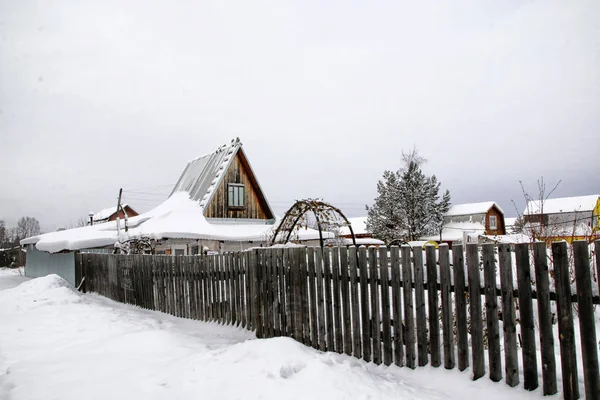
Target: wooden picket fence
{"type": "Point", "coordinates": [380, 304]}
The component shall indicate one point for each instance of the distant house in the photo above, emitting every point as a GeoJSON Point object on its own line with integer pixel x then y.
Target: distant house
{"type": "Point", "coordinates": [464, 223]}
{"type": "Point", "coordinates": [111, 214]}
{"type": "Point", "coordinates": [563, 218]}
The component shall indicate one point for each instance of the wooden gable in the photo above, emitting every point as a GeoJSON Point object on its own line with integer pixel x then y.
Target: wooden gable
{"type": "Point", "coordinates": [255, 204]}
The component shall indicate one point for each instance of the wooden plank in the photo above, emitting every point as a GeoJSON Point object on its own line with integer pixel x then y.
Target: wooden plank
{"type": "Point", "coordinates": [275, 293]}
{"type": "Point", "coordinates": [171, 284]}
{"type": "Point", "coordinates": [296, 294]}
{"type": "Point", "coordinates": [460, 303]}
{"type": "Point", "coordinates": [337, 306]}
{"type": "Point", "coordinates": [328, 278]}
{"type": "Point", "coordinates": [355, 307]}
{"type": "Point", "coordinates": [375, 306]}
{"type": "Point", "coordinates": [447, 330]}
{"type": "Point", "coordinates": [549, 384]}
{"type": "Point", "coordinates": [281, 263]}
{"type": "Point", "coordinates": [320, 299]}
{"type": "Point", "coordinates": [222, 289]}
{"type": "Point", "coordinates": [409, 320]}
{"type": "Point", "coordinates": [396, 282]}
{"type": "Point", "coordinates": [386, 317]}
{"type": "Point", "coordinates": [566, 331]}
{"type": "Point", "coordinates": [265, 292]}
{"type": "Point", "coordinates": [530, 371]}
{"type": "Point", "coordinates": [305, 315]}
{"type": "Point", "coordinates": [289, 315]}
{"type": "Point", "coordinates": [232, 289]}
{"type": "Point", "coordinates": [491, 312]}
{"type": "Point", "coordinates": [344, 284]}
{"type": "Point", "coordinates": [433, 303]}
{"type": "Point", "coordinates": [235, 268]}
{"type": "Point", "coordinates": [257, 267]}
{"type": "Point", "coordinates": [422, 358]}
{"type": "Point", "coordinates": [312, 294]}
{"type": "Point", "coordinates": [475, 311]}
{"type": "Point", "coordinates": [364, 303]}
{"type": "Point", "coordinates": [509, 328]}
{"type": "Point", "coordinates": [244, 287]}
{"type": "Point", "coordinates": [587, 324]}
{"type": "Point", "coordinates": [205, 287]}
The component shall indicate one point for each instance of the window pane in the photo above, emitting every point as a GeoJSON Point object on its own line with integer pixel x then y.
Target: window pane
{"type": "Point", "coordinates": [241, 195]}
{"type": "Point", "coordinates": [230, 196]}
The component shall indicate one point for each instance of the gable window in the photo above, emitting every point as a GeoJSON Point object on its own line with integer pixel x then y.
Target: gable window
{"type": "Point", "coordinates": [235, 195]}
{"type": "Point", "coordinates": [493, 222]}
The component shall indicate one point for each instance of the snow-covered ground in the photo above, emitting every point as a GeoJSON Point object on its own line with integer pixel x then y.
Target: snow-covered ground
{"type": "Point", "coordinates": [56, 343]}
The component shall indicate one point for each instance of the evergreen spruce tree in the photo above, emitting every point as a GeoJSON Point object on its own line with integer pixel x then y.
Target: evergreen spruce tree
{"type": "Point", "coordinates": [408, 205]}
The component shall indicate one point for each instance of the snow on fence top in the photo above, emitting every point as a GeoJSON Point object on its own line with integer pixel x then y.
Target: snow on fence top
{"type": "Point", "coordinates": [562, 205]}
{"type": "Point", "coordinates": [471, 208]}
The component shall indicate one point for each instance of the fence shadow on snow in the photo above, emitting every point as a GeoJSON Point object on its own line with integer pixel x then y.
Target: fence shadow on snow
{"type": "Point", "coordinates": [381, 304]}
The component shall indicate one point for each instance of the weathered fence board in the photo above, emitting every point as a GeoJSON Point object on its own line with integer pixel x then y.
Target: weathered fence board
{"type": "Point", "coordinates": [364, 304]}
{"type": "Point", "coordinates": [446, 283]}
{"type": "Point", "coordinates": [566, 330]}
{"type": "Point", "coordinates": [375, 306]}
{"type": "Point", "coordinates": [530, 370]}
{"type": "Point", "coordinates": [409, 321]}
{"type": "Point", "coordinates": [491, 313]}
{"type": "Point", "coordinates": [433, 302]}
{"type": "Point", "coordinates": [355, 300]}
{"type": "Point", "coordinates": [509, 328]}
{"type": "Point", "coordinates": [462, 334]}
{"type": "Point", "coordinates": [386, 317]}
{"type": "Point", "coordinates": [422, 358]}
{"type": "Point", "coordinates": [398, 336]}
{"type": "Point", "coordinates": [475, 311]}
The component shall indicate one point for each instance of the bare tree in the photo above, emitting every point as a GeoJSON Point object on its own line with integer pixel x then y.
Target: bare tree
{"type": "Point", "coordinates": [27, 226]}
{"type": "Point", "coordinates": [531, 222]}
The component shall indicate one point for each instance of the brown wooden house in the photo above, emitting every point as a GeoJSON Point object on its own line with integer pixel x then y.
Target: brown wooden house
{"type": "Point", "coordinates": [488, 214]}
{"type": "Point", "coordinates": [226, 187]}
{"type": "Point", "coordinates": [111, 214]}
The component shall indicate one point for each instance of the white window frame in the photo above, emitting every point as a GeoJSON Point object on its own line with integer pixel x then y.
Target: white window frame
{"type": "Point", "coordinates": [495, 219]}
{"type": "Point", "coordinates": [236, 195]}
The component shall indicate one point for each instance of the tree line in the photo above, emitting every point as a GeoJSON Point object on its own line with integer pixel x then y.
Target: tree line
{"type": "Point", "coordinates": [26, 227]}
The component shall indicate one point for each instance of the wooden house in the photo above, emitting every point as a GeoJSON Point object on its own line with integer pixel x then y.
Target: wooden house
{"type": "Point", "coordinates": [488, 214]}
{"type": "Point", "coordinates": [565, 218]}
{"type": "Point", "coordinates": [111, 214]}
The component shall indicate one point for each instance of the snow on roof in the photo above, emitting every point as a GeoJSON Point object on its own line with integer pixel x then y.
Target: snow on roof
{"type": "Point", "coordinates": [562, 204]}
{"type": "Point", "coordinates": [179, 217]}
{"type": "Point", "coordinates": [454, 231]}
{"type": "Point", "coordinates": [106, 213]}
{"type": "Point", "coordinates": [203, 175]}
{"type": "Point", "coordinates": [359, 226]}
{"type": "Point", "coordinates": [364, 242]}
{"type": "Point", "coordinates": [472, 208]}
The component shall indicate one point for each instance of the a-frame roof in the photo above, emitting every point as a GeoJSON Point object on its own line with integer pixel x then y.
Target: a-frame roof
{"type": "Point", "coordinates": [203, 175]}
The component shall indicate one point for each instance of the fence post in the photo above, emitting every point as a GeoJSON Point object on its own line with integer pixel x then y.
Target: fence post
{"type": "Point", "coordinates": [462, 334]}
{"type": "Point", "coordinates": [356, 331]}
{"type": "Point", "coordinates": [566, 331]}
{"type": "Point", "coordinates": [422, 358]}
{"type": "Point", "coordinates": [444, 260]}
{"type": "Point", "coordinates": [385, 306]}
{"type": "Point", "coordinates": [409, 321]}
{"type": "Point", "coordinates": [587, 328]}
{"type": "Point", "coordinates": [475, 310]}
{"type": "Point", "coordinates": [375, 309]}
{"type": "Point", "coordinates": [397, 306]}
{"type": "Point", "coordinates": [530, 371]}
{"type": "Point", "coordinates": [545, 317]}
{"type": "Point", "coordinates": [364, 306]}
{"type": "Point", "coordinates": [491, 312]}
{"type": "Point", "coordinates": [433, 301]}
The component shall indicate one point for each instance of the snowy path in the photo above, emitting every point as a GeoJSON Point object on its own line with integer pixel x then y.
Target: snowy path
{"type": "Point", "coordinates": [58, 344]}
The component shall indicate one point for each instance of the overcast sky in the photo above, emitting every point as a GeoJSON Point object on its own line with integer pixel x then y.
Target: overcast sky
{"type": "Point", "coordinates": [98, 95]}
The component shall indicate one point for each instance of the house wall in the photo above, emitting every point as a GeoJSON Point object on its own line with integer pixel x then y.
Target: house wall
{"type": "Point", "coordinates": [481, 218]}
{"type": "Point", "coordinates": [130, 213]}
{"type": "Point", "coordinates": [255, 205]}
{"type": "Point", "coordinates": [500, 225]}
{"type": "Point", "coordinates": [40, 263]}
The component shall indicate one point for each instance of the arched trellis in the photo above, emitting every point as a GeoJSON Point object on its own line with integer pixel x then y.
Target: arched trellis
{"type": "Point", "coordinates": [322, 211]}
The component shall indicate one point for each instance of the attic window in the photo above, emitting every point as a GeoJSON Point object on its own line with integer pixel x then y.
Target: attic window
{"type": "Point", "coordinates": [235, 196]}
{"type": "Point", "coordinates": [493, 222]}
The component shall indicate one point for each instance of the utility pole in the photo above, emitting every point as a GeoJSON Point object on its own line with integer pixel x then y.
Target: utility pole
{"type": "Point", "coordinates": [118, 208]}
